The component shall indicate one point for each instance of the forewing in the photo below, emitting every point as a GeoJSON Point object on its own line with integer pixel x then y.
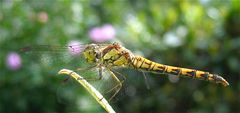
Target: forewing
{"type": "Point", "coordinates": [53, 57]}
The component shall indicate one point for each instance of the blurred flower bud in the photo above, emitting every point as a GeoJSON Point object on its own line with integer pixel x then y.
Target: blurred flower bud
{"type": "Point", "coordinates": [13, 61]}
{"type": "Point", "coordinates": [102, 34]}
{"type": "Point", "coordinates": [42, 17]}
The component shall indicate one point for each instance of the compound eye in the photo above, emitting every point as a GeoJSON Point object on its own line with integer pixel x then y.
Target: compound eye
{"type": "Point", "coordinates": [98, 55]}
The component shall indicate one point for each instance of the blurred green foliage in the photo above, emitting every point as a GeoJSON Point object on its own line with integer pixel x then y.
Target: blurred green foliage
{"type": "Point", "coordinates": [200, 34]}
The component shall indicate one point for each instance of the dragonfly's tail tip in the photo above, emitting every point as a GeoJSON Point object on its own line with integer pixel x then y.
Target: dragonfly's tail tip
{"type": "Point", "coordinates": [226, 83]}
{"type": "Point", "coordinates": [222, 81]}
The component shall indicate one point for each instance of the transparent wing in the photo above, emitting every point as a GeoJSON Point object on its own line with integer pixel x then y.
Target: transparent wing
{"type": "Point", "coordinates": [53, 48]}
{"type": "Point", "coordinates": [53, 56]}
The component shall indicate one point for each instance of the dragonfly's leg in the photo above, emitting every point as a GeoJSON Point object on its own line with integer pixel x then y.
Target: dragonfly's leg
{"type": "Point", "coordinates": [100, 73]}
{"type": "Point", "coordinates": [117, 87]}
{"type": "Point", "coordinates": [67, 78]}
{"type": "Point", "coordinates": [124, 78]}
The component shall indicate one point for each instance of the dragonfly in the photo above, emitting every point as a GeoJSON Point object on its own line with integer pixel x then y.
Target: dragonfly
{"type": "Point", "coordinates": [114, 55]}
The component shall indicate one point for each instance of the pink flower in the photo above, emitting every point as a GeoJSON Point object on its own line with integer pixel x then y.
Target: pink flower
{"type": "Point", "coordinates": [108, 32]}
{"type": "Point", "coordinates": [43, 17]}
{"type": "Point", "coordinates": [102, 34]}
{"type": "Point", "coordinates": [13, 61]}
{"type": "Point", "coordinates": [75, 47]}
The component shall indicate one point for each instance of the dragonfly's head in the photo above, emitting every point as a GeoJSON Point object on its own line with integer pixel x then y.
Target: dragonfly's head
{"type": "Point", "coordinates": [91, 53]}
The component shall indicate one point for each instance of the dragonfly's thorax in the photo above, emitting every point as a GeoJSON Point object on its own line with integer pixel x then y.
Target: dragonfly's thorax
{"type": "Point", "coordinates": [115, 55]}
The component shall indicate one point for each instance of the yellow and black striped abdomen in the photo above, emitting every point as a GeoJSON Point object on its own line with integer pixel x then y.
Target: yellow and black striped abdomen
{"type": "Point", "coordinates": [142, 63]}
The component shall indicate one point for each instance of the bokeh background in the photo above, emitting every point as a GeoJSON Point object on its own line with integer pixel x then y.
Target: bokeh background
{"type": "Point", "coordinates": [202, 34]}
